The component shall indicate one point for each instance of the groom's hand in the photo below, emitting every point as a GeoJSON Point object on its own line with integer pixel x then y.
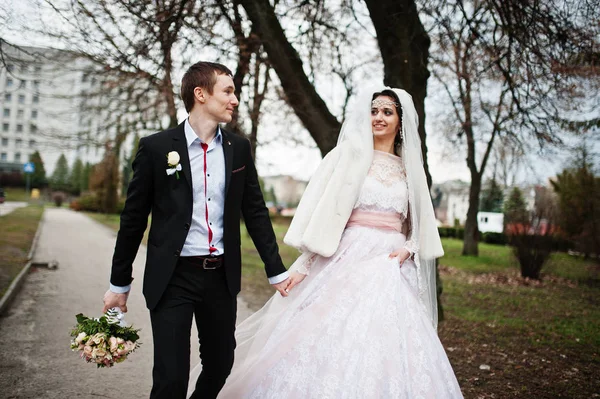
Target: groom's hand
{"type": "Point", "coordinates": [282, 286]}
{"type": "Point", "coordinates": [114, 300]}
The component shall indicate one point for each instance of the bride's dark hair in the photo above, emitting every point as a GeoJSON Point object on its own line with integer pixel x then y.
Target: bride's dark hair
{"type": "Point", "coordinates": [392, 94]}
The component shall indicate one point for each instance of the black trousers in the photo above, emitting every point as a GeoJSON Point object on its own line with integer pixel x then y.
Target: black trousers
{"type": "Point", "coordinates": [203, 293]}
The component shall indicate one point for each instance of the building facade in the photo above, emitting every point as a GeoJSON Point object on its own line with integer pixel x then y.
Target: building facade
{"type": "Point", "coordinates": [41, 94]}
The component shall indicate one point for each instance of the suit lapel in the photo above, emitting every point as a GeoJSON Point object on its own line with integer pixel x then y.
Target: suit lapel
{"type": "Point", "coordinates": [180, 145]}
{"type": "Point", "coordinates": [228, 153]}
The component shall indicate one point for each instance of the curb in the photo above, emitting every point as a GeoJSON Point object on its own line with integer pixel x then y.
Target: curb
{"type": "Point", "coordinates": [16, 284]}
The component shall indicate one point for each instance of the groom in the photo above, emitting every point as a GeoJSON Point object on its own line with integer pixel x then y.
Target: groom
{"type": "Point", "coordinates": [196, 179]}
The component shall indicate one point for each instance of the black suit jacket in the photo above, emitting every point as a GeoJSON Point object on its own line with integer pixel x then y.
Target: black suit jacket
{"type": "Point", "coordinates": [170, 201]}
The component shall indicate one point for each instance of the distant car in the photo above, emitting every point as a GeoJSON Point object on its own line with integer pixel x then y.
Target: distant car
{"type": "Point", "coordinates": [1, 196]}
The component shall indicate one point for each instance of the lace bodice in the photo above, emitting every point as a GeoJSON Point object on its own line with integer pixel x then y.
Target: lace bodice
{"type": "Point", "coordinates": [385, 188]}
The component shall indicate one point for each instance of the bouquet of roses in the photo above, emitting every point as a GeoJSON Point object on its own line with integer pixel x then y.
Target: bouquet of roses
{"type": "Point", "coordinates": [106, 340]}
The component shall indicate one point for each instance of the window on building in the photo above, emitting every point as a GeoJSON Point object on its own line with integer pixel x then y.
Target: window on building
{"type": "Point", "coordinates": [6, 112]}
{"type": "Point", "coordinates": [22, 84]}
{"type": "Point", "coordinates": [36, 84]}
{"type": "Point", "coordinates": [8, 97]}
{"type": "Point", "coordinates": [34, 114]}
{"type": "Point", "coordinates": [4, 142]}
{"type": "Point", "coordinates": [3, 156]}
{"type": "Point", "coordinates": [18, 143]}
{"type": "Point", "coordinates": [23, 68]}
{"type": "Point", "coordinates": [18, 157]}
{"type": "Point", "coordinates": [20, 114]}
{"type": "Point", "coordinates": [33, 128]}
{"type": "Point", "coordinates": [9, 82]}
{"type": "Point", "coordinates": [38, 69]}
{"type": "Point", "coordinates": [36, 99]}
{"type": "Point", "coordinates": [32, 143]}
{"type": "Point", "coordinates": [10, 67]}
{"type": "Point", "coordinates": [19, 128]}
{"type": "Point", "coordinates": [21, 99]}
{"type": "Point", "coordinates": [5, 127]}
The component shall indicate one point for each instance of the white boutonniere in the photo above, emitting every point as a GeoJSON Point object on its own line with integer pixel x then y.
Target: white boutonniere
{"type": "Point", "coordinates": [173, 163]}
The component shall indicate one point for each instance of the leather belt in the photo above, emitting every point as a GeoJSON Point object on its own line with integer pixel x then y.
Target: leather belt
{"type": "Point", "coordinates": [207, 262]}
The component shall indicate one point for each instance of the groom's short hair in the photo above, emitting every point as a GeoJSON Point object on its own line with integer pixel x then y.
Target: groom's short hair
{"type": "Point", "coordinates": [204, 75]}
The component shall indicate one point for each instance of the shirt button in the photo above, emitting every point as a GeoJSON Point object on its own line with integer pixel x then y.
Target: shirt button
{"type": "Point", "coordinates": [209, 199]}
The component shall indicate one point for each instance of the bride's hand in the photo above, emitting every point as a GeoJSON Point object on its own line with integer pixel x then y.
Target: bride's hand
{"type": "Point", "coordinates": [402, 254]}
{"type": "Point", "coordinates": [295, 279]}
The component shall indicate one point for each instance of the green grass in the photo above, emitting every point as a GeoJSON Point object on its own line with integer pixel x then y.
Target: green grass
{"type": "Point", "coordinates": [255, 285]}
{"type": "Point", "coordinates": [554, 314]}
{"type": "Point", "coordinates": [17, 231]}
{"type": "Point", "coordinates": [15, 194]}
{"type": "Point", "coordinates": [499, 258]}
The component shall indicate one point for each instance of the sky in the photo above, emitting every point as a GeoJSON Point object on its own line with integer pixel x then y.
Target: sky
{"type": "Point", "coordinates": [277, 156]}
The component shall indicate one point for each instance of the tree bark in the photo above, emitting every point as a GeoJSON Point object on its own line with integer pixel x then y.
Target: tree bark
{"type": "Point", "coordinates": [471, 240]}
{"type": "Point", "coordinates": [301, 95]}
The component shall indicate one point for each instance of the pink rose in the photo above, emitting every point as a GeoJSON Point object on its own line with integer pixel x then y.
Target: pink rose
{"type": "Point", "coordinates": [120, 341]}
{"type": "Point", "coordinates": [87, 350]}
{"type": "Point", "coordinates": [113, 344]}
{"type": "Point", "coordinates": [99, 338]}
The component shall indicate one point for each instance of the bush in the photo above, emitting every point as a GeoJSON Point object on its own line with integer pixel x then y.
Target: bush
{"type": "Point", "coordinates": [532, 252]}
{"type": "Point", "coordinates": [494, 238]}
{"type": "Point", "coordinates": [120, 206]}
{"type": "Point", "coordinates": [92, 203]}
{"type": "Point", "coordinates": [451, 232]}
{"type": "Point", "coordinates": [58, 198]}
{"type": "Point", "coordinates": [12, 179]}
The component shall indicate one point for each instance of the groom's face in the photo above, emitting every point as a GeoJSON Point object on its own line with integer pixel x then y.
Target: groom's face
{"type": "Point", "coordinates": [221, 103]}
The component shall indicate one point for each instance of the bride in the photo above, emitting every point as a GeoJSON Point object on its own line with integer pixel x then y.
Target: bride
{"type": "Point", "coordinates": [363, 323]}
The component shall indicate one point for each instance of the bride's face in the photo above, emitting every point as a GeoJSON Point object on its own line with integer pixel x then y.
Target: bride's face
{"type": "Point", "coordinates": [384, 118]}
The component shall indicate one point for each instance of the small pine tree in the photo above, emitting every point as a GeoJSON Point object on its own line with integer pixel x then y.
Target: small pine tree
{"type": "Point", "coordinates": [515, 208]}
{"type": "Point", "coordinates": [75, 179]}
{"type": "Point", "coordinates": [38, 177]}
{"type": "Point", "coordinates": [85, 177]}
{"type": "Point", "coordinates": [492, 197]}
{"type": "Point", "coordinates": [60, 177]}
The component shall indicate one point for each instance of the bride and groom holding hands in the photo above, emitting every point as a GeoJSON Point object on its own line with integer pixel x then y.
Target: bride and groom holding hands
{"type": "Point", "coordinates": [354, 317]}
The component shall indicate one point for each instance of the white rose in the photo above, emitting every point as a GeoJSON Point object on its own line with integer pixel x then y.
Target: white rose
{"type": "Point", "coordinates": [80, 337]}
{"type": "Point", "coordinates": [173, 158]}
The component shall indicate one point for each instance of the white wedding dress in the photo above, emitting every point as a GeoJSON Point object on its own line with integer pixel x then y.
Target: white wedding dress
{"type": "Point", "coordinates": [354, 328]}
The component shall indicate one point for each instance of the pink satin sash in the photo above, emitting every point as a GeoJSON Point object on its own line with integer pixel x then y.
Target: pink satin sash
{"type": "Point", "coordinates": [380, 220]}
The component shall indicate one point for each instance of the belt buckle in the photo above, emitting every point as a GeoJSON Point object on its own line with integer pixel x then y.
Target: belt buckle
{"type": "Point", "coordinates": [206, 261]}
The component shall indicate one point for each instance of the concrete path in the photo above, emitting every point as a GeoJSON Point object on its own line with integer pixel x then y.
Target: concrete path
{"type": "Point", "coordinates": [10, 206]}
{"type": "Point", "coordinates": [35, 360]}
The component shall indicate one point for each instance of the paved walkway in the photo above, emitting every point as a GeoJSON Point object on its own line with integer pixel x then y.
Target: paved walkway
{"type": "Point", "coordinates": [10, 206]}
{"type": "Point", "coordinates": [35, 360]}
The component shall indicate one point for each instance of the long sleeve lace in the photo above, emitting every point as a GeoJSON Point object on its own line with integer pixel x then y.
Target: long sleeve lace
{"type": "Point", "coordinates": [305, 261]}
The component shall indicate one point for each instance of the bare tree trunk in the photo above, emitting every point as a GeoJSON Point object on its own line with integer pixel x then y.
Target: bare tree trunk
{"type": "Point", "coordinates": [322, 125]}
{"type": "Point", "coordinates": [471, 240]}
